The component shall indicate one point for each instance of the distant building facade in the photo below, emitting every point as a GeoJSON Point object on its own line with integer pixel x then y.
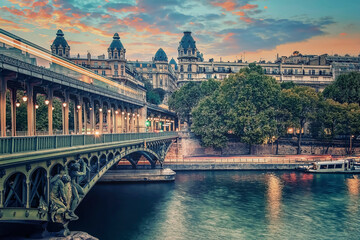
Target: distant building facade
{"type": "Point", "coordinates": [132, 74]}
{"type": "Point", "coordinates": [310, 70]}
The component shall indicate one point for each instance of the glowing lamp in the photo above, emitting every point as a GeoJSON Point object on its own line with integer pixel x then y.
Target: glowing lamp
{"type": "Point", "coordinates": [47, 101]}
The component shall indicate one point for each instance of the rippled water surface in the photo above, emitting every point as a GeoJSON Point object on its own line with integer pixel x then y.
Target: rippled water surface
{"type": "Point", "coordinates": [225, 205]}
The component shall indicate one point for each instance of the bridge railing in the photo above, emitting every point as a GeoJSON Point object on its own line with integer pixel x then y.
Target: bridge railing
{"type": "Point", "coordinates": [10, 145]}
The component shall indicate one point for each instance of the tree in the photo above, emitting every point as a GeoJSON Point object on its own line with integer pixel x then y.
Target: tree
{"type": "Point", "coordinates": [345, 89]}
{"type": "Point", "coordinates": [209, 87]}
{"type": "Point", "coordinates": [185, 99]}
{"type": "Point", "coordinates": [243, 105]}
{"type": "Point", "coordinates": [252, 99]}
{"type": "Point", "coordinates": [154, 96]}
{"type": "Point", "coordinates": [329, 121]}
{"type": "Point", "coordinates": [300, 103]}
{"type": "Point", "coordinates": [209, 121]}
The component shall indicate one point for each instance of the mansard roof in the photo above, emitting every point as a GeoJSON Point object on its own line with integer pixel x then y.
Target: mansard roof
{"type": "Point", "coordinates": [187, 41]}
{"type": "Point", "coordinates": [116, 43]}
{"type": "Point", "coordinates": [160, 56]}
{"type": "Point", "coordinates": [60, 40]}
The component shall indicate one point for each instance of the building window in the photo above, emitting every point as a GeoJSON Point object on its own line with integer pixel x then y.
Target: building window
{"type": "Point", "coordinates": [103, 73]}
{"type": "Point", "coordinates": [189, 76]}
{"type": "Point", "coordinates": [189, 68]}
{"type": "Point", "coordinates": [160, 82]}
{"type": "Point", "coordinates": [181, 68]}
{"type": "Point", "coordinates": [181, 76]}
{"type": "Point", "coordinates": [96, 71]}
{"type": "Point", "coordinates": [208, 76]}
{"type": "Point", "coordinates": [60, 52]}
{"type": "Point", "coordinates": [96, 64]}
{"type": "Point", "coordinates": [296, 71]}
{"type": "Point", "coordinates": [122, 70]}
{"type": "Point", "coordinates": [116, 73]}
{"type": "Point", "coordinates": [115, 55]}
{"type": "Point", "coordinates": [103, 64]}
{"type": "Point", "coordinates": [313, 72]}
{"type": "Point", "coordinates": [116, 67]}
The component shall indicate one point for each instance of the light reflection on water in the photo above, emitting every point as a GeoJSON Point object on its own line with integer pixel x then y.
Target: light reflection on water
{"type": "Point", "coordinates": [226, 205]}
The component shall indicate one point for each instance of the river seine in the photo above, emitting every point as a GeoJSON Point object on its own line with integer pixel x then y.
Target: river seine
{"type": "Point", "coordinates": [225, 205]}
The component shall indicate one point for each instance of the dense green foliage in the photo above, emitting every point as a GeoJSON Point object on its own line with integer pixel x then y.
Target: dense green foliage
{"type": "Point", "coordinates": [345, 89]}
{"type": "Point", "coordinates": [188, 96]}
{"type": "Point", "coordinates": [154, 96]}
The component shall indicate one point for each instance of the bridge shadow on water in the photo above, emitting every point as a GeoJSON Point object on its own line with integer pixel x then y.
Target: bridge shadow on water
{"type": "Point", "coordinates": [123, 206]}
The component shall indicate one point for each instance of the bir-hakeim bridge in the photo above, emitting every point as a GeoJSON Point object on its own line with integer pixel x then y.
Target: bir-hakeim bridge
{"type": "Point", "coordinates": [43, 178]}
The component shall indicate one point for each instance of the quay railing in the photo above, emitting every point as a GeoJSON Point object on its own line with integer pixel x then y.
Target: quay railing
{"type": "Point", "coordinates": [255, 160]}
{"type": "Point", "coordinates": [10, 145]}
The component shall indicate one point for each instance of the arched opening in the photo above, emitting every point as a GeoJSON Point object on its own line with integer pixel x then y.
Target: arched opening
{"type": "Point", "coordinates": [56, 169]}
{"type": "Point", "coordinates": [94, 167]}
{"type": "Point", "coordinates": [110, 157]}
{"type": "Point", "coordinates": [15, 191]}
{"type": "Point", "coordinates": [38, 187]}
{"type": "Point", "coordinates": [102, 161]}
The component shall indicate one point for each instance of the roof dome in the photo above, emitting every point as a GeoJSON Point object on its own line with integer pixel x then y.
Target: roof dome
{"type": "Point", "coordinates": [172, 61]}
{"type": "Point", "coordinates": [116, 43]}
{"type": "Point", "coordinates": [187, 41]}
{"type": "Point", "coordinates": [60, 40]}
{"type": "Point", "coordinates": [160, 56]}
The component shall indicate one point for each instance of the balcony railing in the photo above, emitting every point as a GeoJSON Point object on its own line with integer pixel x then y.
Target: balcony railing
{"type": "Point", "coordinates": [10, 145]}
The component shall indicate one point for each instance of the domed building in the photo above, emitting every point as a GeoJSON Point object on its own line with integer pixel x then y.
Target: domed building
{"type": "Point", "coordinates": [173, 64]}
{"type": "Point", "coordinates": [60, 45]}
{"type": "Point", "coordinates": [116, 49]}
{"type": "Point", "coordinates": [188, 56]}
{"type": "Point", "coordinates": [160, 56]}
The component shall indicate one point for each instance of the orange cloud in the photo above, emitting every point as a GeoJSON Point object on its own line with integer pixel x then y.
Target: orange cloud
{"type": "Point", "coordinates": [343, 34]}
{"type": "Point", "coordinates": [265, 7]}
{"type": "Point", "coordinates": [13, 26]}
{"type": "Point", "coordinates": [22, 3]}
{"type": "Point", "coordinates": [239, 13]}
{"type": "Point", "coordinates": [247, 19]}
{"type": "Point", "coordinates": [105, 16]}
{"type": "Point", "coordinates": [249, 6]}
{"type": "Point", "coordinates": [126, 9]}
{"type": "Point", "coordinates": [227, 5]}
{"type": "Point", "coordinates": [40, 3]}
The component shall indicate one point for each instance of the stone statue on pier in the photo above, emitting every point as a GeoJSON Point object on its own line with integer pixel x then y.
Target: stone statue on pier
{"type": "Point", "coordinates": [76, 170]}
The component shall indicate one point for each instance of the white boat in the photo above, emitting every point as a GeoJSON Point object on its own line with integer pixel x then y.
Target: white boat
{"type": "Point", "coordinates": [338, 166]}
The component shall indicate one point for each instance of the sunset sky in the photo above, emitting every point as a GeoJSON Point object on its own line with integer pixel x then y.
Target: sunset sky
{"type": "Point", "coordinates": [231, 29]}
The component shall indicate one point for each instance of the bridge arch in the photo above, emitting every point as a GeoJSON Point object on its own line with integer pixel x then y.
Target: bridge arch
{"type": "Point", "coordinates": [38, 187]}
{"type": "Point", "coordinates": [15, 190]}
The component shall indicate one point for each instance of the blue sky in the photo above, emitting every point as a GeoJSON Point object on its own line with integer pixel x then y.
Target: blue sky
{"type": "Point", "coordinates": [231, 29]}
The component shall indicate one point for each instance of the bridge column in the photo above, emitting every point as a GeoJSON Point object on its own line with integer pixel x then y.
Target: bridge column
{"type": "Point", "coordinates": [85, 117]}
{"type": "Point", "coordinates": [49, 99]}
{"type": "Point", "coordinates": [3, 87]}
{"type": "Point", "coordinates": [122, 119]}
{"type": "Point", "coordinates": [101, 116]}
{"type": "Point", "coordinates": [92, 116]}
{"type": "Point", "coordinates": [116, 120]}
{"type": "Point", "coordinates": [80, 117]}
{"type": "Point", "coordinates": [30, 108]}
{"type": "Point", "coordinates": [173, 125]}
{"type": "Point", "coordinates": [75, 119]}
{"type": "Point", "coordinates": [13, 111]}
{"type": "Point", "coordinates": [66, 105]}
{"type": "Point", "coordinates": [108, 119]}
{"type": "Point", "coordinates": [127, 116]}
